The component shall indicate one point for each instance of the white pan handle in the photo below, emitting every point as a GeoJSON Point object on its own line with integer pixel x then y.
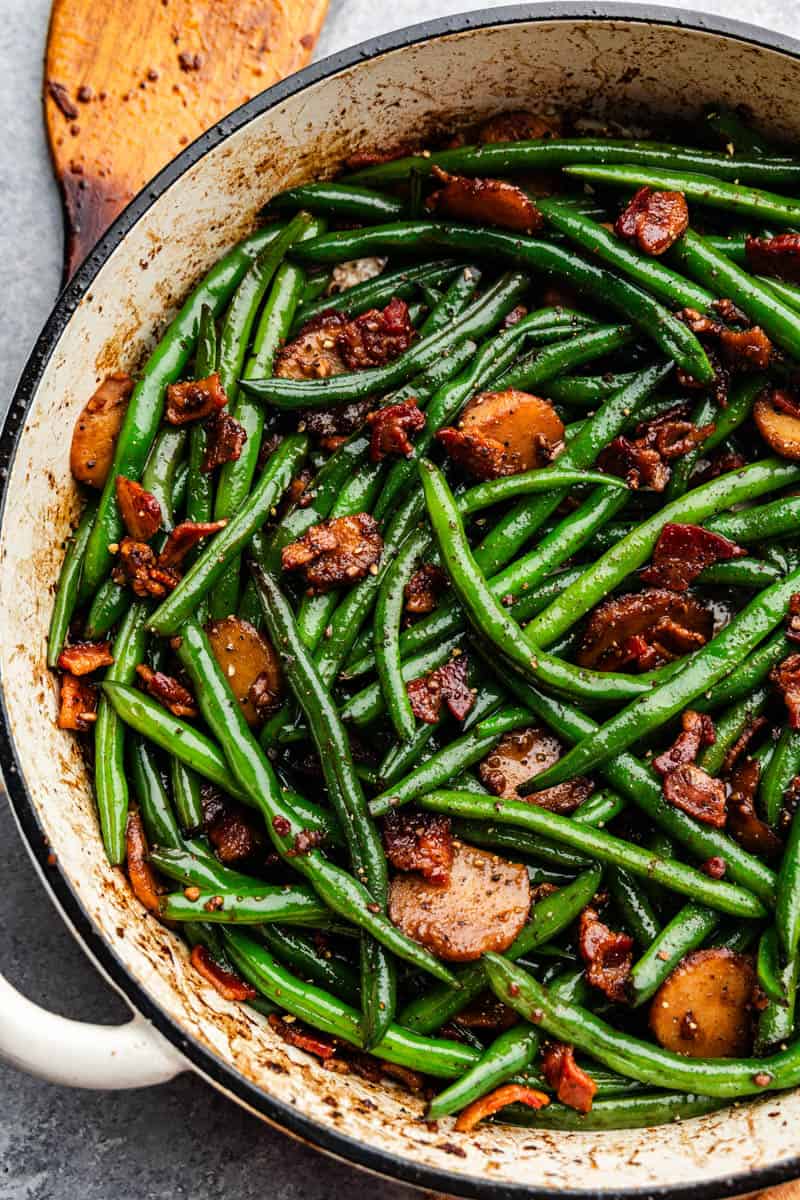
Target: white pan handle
{"type": "Point", "coordinates": [80, 1054]}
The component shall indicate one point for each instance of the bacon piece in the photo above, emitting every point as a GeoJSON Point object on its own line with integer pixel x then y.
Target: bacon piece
{"type": "Point", "coordinates": [571, 1084]}
{"type": "Point", "coordinates": [184, 537]}
{"type": "Point", "coordinates": [481, 456]}
{"type": "Point", "coordinates": [264, 696]}
{"type": "Point", "coordinates": [140, 510]}
{"type": "Point", "coordinates": [777, 256]}
{"type": "Point", "coordinates": [194, 400]}
{"type": "Point", "coordinates": [519, 126]}
{"type": "Point", "coordinates": [738, 748]}
{"type": "Point", "coordinates": [486, 1106]}
{"type": "Point", "coordinates": [448, 683]}
{"type": "Point", "coordinates": [608, 956]}
{"type": "Point", "coordinates": [371, 158]}
{"type": "Point", "coordinates": [335, 553]}
{"type": "Point", "coordinates": [140, 873]}
{"type": "Point", "coordinates": [299, 1035]}
{"type": "Point", "coordinates": [94, 437]}
{"type": "Point", "coordinates": [423, 588]}
{"type": "Point", "coordinates": [390, 427]}
{"type": "Point", "coordinates": [682, 552]}
{"type": "Point", "coordinates": [653, 220]}
{"type": "Point", "coordinates": [138, 567]}
{"type": "Point", "coordinates": [786, 677]}
{"type": "Point", "coordinates": [486, 201]}
{"type": "Point", "coordinates": [744, 824]}
{"type": "Point", "coordinates": [232, 829]}
{"type": "Point", "coordinates": [502, 433]}
{"type": "Point", "coordinates": [643, 630]}
{"type": "Point", "coordinates": [521, 755]}
{"type": "Point", "coordinates": [514, 317]}
{"type": "Point", "coordinates": [376, 337]}
{"type": "Point", "coordinates": [337, 422]}
{"type": "Point", "coordinates": [168, 691]}
{"type": "Point", "coordinates": [314, 353]}
{"type": "Point", "coordinates": [421, 842]}
{"type": "Point", "coordinates": [226, 437]}
{"type": "Point", "coordinates": [222, 979]}
{"type": "Point", "coordinates": [694, 791]}
{"type": "Point", "coordinates": [697, 731]}
{"type": "Point", "coordinates": [82, 658]}
{"type": "Point", "coordinates": [747, 349]}
{"type": "Point", "coordinates": [639, 465]}
{"type": "Point", "coordinates": [77, 704]}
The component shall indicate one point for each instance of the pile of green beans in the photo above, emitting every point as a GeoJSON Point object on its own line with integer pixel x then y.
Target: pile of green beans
{"type": "Point", "coordinates": [340, 780]}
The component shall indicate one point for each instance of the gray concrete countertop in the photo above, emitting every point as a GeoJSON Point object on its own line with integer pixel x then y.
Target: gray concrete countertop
{"type": "Point", "coordinates": [183, 1138]}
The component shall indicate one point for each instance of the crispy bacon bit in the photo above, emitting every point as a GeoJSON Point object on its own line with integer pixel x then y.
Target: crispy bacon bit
{"type": "Point", "coordinates": [234, 834]}
{"type": "Point", "coordinates": [341, 421]}
{"type": "Point", "coordinates": [608, 956]}
{"type": "Point", "coordinates": [302, 1037]}
{"type": "Point", "coordinates": [140, 873]}
{"type": "Point", "coordinates": [372, 158]}
{"type": "Point", "coordinates": [697, 730]}
{"type": "Point", "coordinates": [138, 567]}
{"type": "Point", "coordinates": [84, 657]}
{"type": "Point", "coordinates": [519, 126]}
{"type": "Point", "coordinates": [194, 400]}
{"type": "Point", "coordinates": [420, 842]}
{"type": "Point", "coordinates": [571, 1084]}
{"type": "Point", "coordinates": [738, 748]}
{"type": "Point", "coordinates": [520, 756]}
{"type": "Point", "coordinates": [654, 220]}
{"type": "Point", "coordinates": [305, 841]}
{"type": "Point", "coordinates": [226, 437]}
{"type": "Point", "coordinates": [376, 337]}
{"type": "Point", "coordinates": [168, 691]}
{"type": "Point", "coordinates": [486, 1106]}
{"type": "Point", "coordinates": [744, 824]}
{"type": "Point", "coordinates": [222, 979]}
{"type": "Point", "coordinates": [423, 589]}
{"type": "Point", "coordinates": [643, 630]}
{"type": "Point", "coordinates": [140, 510]}
{"type": "Point", "coordinates": [77, 704]}
{"type": "Point", "coordinates": [639, 465]}
{"type": "Point", "coordinates": [777, 256]}
{"type": "Point", "coordinates": [335, 553]}
{"type": "Point", "coordinates": [694, 791]}
{"type": "Point", "coordinates": [487, 201]}
{"type": "Point", "coordinates": [184, 537]}
{"type": "Point", "coordinates": [747, 349]}
{"type": "Point", "coordinates": [390, 428]}
{"type": "Point", "coordinates": [412, 1081]}
{"type": "Point", "coordinates": [481, 456]}
{"type": "Point", "coordinates": [314, 352]}
{"type": "Point", "coordinates": [785, 402]}
{"type": "Point", "coordinates": [94, 437]}
{"type": "Point", "coordinates": [682, 552]}
{"type": "Point", "coordinates": [263, 695]}
{"type": "Point", "coordinates": [786, 677]}
{"type": "Point", "coordinates": [715, 867]}
{"type": "Point", "coordinates": [448, 683]}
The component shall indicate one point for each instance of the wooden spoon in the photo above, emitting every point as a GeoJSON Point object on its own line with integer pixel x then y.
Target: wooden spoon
{"type": "Point", "coordinates": [128, 84]}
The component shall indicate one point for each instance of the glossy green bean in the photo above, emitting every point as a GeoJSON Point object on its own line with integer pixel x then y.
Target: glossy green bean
{"type": "Point", "coordinates": [270, 902]}
{"type": "Point", "coordinates": [730, 725]}
{"type": "Point", "coordinates": [783, 767]}
{"type": "Point", "coordinates": [302, 955]}
{"type": "Point", "coordinates": [373, 293]}
{"type": "Point", "coordinates": [787, 905]}
{"type": "Point", "coordinates": [585, 347]}
{"type": "Point", "coordinates": [154, 803]}
{"type": "Point", "coordinates": [186, 796]}
{"type": "Point", "coordinates": [687, 930]}
{"type": "Point", "coordinates": [190, 866]}
{"type": "Point", "coordinates": [634, 906]}
{"type": "Point", "coordinates": [331, 197]}
{"type": "Point", "coordinates": [622, 1112]}
{"type": "Point", "coordinates": [756, 524]}
{"type": "Point", "coordinates": [69, 581]}
{"type": "Point", "coordinates": [388, 615]}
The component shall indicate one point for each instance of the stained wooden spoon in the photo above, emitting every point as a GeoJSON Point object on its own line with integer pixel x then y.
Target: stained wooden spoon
{"type": "Point", "coordinates": [128, 84]}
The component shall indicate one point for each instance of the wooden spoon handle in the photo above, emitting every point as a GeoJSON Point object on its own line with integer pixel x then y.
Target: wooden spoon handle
{"type": "Point", "coordinates": [128, 85]}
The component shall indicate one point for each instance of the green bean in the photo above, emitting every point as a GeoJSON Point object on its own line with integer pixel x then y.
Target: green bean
{"type": "Point", "coordinates": [629, 776]}
{"type": "Point", "coordinates": [740, 572]}
{"type": "Point", "coordinates": [587, 390]}
{"type": "Point", "coordinates": [634, 906]}
{"type": "Point", "coordinates": [687, 930]}
{"type": "Point", "coordinates": [186, 796]}
{"type": "Point", "coordinates": [189, 866]}
{"type": "Point", "coordinates": [650, 272]}
{"type": "Point", "coordinates": [516, 842]}
{"type": "Point", "coordinates": [541, 365]}
{"type": "Point", "coordinates": [448, 307]}
{"type": "Point", "coordinates": [623, 1112]}
{"type": "Point", "coordinates": [145, 410]}
{"type": "Point", "coordinates": [372, 293]}
{"type": "Point", "coordinates": [333, 198]}
{"type": "Point", "coordinates": [270, 902]}
{"type": "Point", "coordinates": [559, 152]}
{"type": "Point", "coordinates": [528, 483]}
{"type": "Point", "coordinates": [730, 725]}
{"type": "Point", "coordinates": [159, 820]}
{"type": "Point", "coordinates": [710, 192]}
{"type": "Point", "coordinates": [768, 966]}
{"type": "Point", "coordinates": [68, 585]}
{"type": "Point", "coordinates": [635, 549]}
{"type": "Point", "coordinates": [368, 704]}
{"type": "Point", "coordinates": [475, 321]}
{"type": "Point", "coordinates": [436, 1056]}
{"type": "Point", "coordinates": [783, 767]}
{"type": "Point", "coordinates": [748, 675]}
{"type": "Point", "coordinates": [669, 334]}
{"type": "Point", "coordinates": [200, 493]}
{"type": "Point", "coordinates": [600, 808]}
{"type": "Point", "coordinates": [787, 906]}
{"type": "Point", "coordinates": [513, 1051]}
{"type": "Point", "coordinates": [598, 844]}
{"type": "Point", "coordinates": [253, 772]}
{"type": "Point", "coordinates": [204, 573]}
{"type": "Point", "coordinates": [388, 615]}
{"type": "Point", "coordinates": [776, 1022]}
{"type": "Point", "coordinates": [700, 260]}
{"type": "Point", "coordinates": [712, 662]}
{"type": "Point", "coordinates": [344, 790]}
{"type": "Point", "coordinates": [723, 1078]}
{"type": "Point", "coordinates": [763, 521]}
{"type": "Point", "coordinates": [110, 779]}
{"type": "Point", "coordinates": [735, 133]}
{"type": "Point", "coordinates": [302, 955]}
{"type": "Point", "coordinates": [548, 918]}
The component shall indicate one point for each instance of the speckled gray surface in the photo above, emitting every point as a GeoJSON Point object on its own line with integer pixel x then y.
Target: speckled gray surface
{"type": "Point", "coordinates": [182, 1138]}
